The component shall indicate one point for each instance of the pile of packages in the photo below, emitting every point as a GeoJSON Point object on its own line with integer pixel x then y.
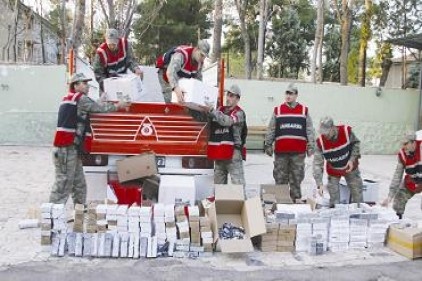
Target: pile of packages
{"type": "Point", "coordinates": [125, 231]}
{"type": "Point", "coordinates": [344, 227]}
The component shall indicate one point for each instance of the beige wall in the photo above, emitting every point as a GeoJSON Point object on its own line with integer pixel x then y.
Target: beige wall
{"type": "Point", "coordinates": [30, 96]}
{"type": "Point", "coordinates": [379, 122]}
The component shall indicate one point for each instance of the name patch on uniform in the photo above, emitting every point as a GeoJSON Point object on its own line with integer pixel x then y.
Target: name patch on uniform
{"type": "Point", "coordinates": [291, 126]}
{"type": "Point", "coordinates": [338, 158]}
{"type": "Point", "coordinates": [222, 131]}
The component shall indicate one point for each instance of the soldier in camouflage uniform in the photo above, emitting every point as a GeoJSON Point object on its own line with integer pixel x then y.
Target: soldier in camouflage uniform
{"type": "Point", "coordinates": [72, 129]}
{"type": "Point", "coordinates": [180, 62]}
{"type": "Point", "coordinates": [113, 57]}
{"type": "Point", "coordinates": [291, 130]}
{"type": "Point", "coordinates": [340, 148]}
{"type": "Point", "coordinates": [227, 139]}
{"type": "Point", "coordinates": [409, 163]}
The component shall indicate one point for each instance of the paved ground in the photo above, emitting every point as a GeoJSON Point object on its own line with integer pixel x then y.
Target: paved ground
{"type": "Point", "coordinates": [27, 175]}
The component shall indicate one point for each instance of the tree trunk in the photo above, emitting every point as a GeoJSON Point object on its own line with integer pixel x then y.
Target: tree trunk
{"type": "Point", "coordinates": [241, 8]}
{"type": "Point", "coordinates": [385, 65]}
{"type": "Point", "coordinates": [218, 29]}
{"type": "Point", "coordinates": [364, 38]}
{"type": "Point", "coordinates": [345, 19]}
{"type": "Point", "coordinates": [318, 39]}
{"type": "Point", "coordinates": [63, 31]}
{"type": "Point", "coordinates": [111, 14]}
{"type": "Point", "coordinates": [261, 39]}
{"type": "Point", "coordinates": [15, 31]}
{"type": "Point", "coordinates": [78, 24]}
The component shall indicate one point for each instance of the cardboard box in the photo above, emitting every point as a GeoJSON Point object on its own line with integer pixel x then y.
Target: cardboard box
{"type": "Point", "coordinates": [136, 167]}
{"type": "Point", "coordinates": [406, 241]}
{"type": "Point", "coordinates": [126, 86]}
{"type": "Point", "coordinates": [279, 193]}
{"type": "Point", "coordinates": [197, 93]}
{"type": "Point", "coordinates": [176, 188]}
{"type": "Point", "coordinates": [230, 206]}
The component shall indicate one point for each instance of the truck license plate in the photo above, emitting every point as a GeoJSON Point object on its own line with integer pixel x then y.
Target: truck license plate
{"type": "Point", "coordinates": [161, 161]}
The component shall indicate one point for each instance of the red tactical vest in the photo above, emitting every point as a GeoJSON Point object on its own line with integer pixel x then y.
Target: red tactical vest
{"type": "Point", "coordinates": [114, 62]}
{"type": "Point", "coordinates": [337, 152]}
{"type": "Point", "coordinates": [67, 121]}
{"type": "Point", "coordinates": [189, 68]}
{"type": "Point", "coordinates": [221, 141]}
{"type": "Point", "coordinates": [413, 167]}
{"type": "Point", "coordinates": [290, 128]}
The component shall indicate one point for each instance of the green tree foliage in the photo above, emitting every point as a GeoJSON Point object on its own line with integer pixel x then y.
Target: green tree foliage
{"type": "Point", "coordinates": [288, 47]}
{"type": "Point", "coordinates": [178, 22]}
{"type": "Point", "coordinates": [331, 52]}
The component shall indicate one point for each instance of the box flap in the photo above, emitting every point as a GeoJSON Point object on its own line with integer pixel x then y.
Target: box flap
{"type": "Point", "coordinates": [253, 217]}
{"type": "Point", "coordinates": [229, 192]}
{"type": "Point", "coordinates": [235, 245]}
{"type": "Point", "coordinates": [281, 192]}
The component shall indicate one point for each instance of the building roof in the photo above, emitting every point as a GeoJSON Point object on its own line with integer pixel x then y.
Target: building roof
{"type": "Point", "coordinates": [410, 41]}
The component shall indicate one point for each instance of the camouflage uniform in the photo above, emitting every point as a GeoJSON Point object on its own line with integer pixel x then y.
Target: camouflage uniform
{"type": "Point", "coordinates": [289, 168]}
{"type": "Point", "coordinates": [174, 66]}
{"type": "Point", "coordinates": [70, 177]}
{"type": "Point", "coordinates": [398, 191]}
{"type": "Point", "coordinates": [101, 72]}
{"type": "Point", "coordinates": [353, 179]}
{"type": "Point", "coordinates": [234, 167]}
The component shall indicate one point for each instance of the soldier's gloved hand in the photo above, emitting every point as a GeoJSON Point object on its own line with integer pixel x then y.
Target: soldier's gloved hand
{"type": "Point", "coordinates": [349, 166]}
{"type": "Point", "coordinates": [268, 149]}
{"type": "Point", "coordinates": [123, 104]}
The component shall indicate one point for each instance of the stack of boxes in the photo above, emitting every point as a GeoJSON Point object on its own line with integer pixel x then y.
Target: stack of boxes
{"type": "Point", "coordinates": [101, 211]}
{"type": "Point", "coordinates": [59, 231]}
{"type": "Point", "coordinates": [195, 234]}
{"type": "Point", "coordinates": [145, 218]}
{"type": "Point", "coordinates": [159, 224]}
{"type": "Point", "coordinates": [206, 234]}
{"type": "Point", "coordinates": [358, 233]}
{"type": "Point", "coordinates": [78, 225]}
{"type": "Point", "coordinates": [286, 237]}
{"type": "Point", "coordinates": [182, 245]}
{"type": "Point", "coordinates": [121, 218]}
{"type": "Point", "coordinates": [46, 223]}
{"type": "Point", "coordinates": [111, 216]}
{"type": "Point", "coordinates": [171, 231]}
{"type": "Point", "coordinates": [269, 239]}
{"type": "Point", "coordinates": [91, 218]}
{"type": "Point", "coordinates": [303, 235]}
{"type": "Point", "coordinates": [134, 229]}
{"type": "Point", "coordinates": [319, 241]}
{"type": "Point", "coordinates": [377, 231]}
{"type": "Point", "coordinates": [339, 234]}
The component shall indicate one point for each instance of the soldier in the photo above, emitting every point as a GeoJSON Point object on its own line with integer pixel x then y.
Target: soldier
{"type": "Point", "coordinates": [227, 139]}
{"type": "Point", "coordinates": [409, 163]}
{"type": "Point", "coordinates": [292, 130]}
{"type": "Point", "coordinates": [340, 148]}
{"type": "Point", "coordinates": [180, 62]}
{"type": "Point", "coordinates": [72, 129]}
{"type": "Point", "coordinates": [113, 57]}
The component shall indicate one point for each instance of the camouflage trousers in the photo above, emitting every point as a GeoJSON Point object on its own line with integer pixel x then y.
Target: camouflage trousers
{"type": "Point", "coordinates": [354, 182]}
{"type": "Point", "coordinates": [234, 167]}
{"type": "Point", "coordinates": [289, 168]}
{"type": "Point", "coordinates": [401, 198]}
{"type": "Point", "coordinates": [165, 86]}
{"type": "Point", "coordinates": [70, 179]}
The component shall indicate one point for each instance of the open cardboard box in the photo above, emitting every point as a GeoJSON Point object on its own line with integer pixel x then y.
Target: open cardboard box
{"type": "Point", "coordinates": [230, 206]}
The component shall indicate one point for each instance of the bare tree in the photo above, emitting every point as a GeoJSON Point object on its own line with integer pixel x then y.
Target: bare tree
{"type": "Point", "coordinates": [365, 36]}
{"type": "Point", "coordinates": [78, 24]}
{"type": "Point", "coordinates": [319, 35]}
{"type": "Point", "coordinates": [263, 11]}
{"type": "Point", "coordinates": [218, 29]}
{"type": "Point", "coordinates": [119, 14]}
{"type": "Point", "coordinates": [344, 16]}
{"type": "Point", "coordinates": [241, 6]}
{"type": "Point", "coordinates": [62, 31]}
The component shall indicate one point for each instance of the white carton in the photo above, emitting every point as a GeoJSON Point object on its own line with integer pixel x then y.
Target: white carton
{"type": "Point", "coordinates": [126, 85]}
{"type": "Point", "coordinates": [197, 93]}
{"type": "Point", "coordinates": [175, 188]}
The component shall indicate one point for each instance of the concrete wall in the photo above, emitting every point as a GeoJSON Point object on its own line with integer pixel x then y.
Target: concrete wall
{"type": "Point", "coordinates": [379, 122]}
{"type": "Point", "coordinates": [30, 96]}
